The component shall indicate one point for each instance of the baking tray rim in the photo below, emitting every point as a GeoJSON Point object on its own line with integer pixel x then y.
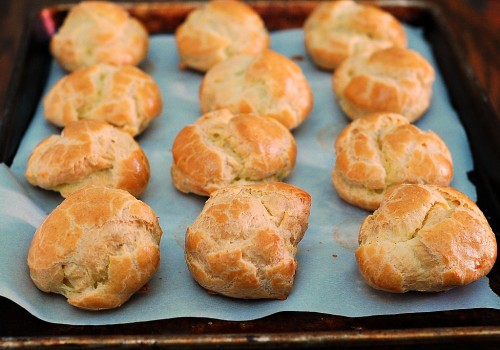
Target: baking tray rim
{"type": "Point", "coordinates": [333, 337]}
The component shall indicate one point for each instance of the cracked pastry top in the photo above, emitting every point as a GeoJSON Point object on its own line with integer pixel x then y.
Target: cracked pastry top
{"type": "Point", "coordinates": [222, 149]}
{"type": "Point", "coordinates": [218, 30]}
{"type": "Point", "coordinates": [123, 96]}
{"type": "Point", "coordinates": [336, 30]}
{"type": "Point", "coordinates": [268, 84]}
{"type": "Point", "coordinates": [243, 243]}
{"type": "Point", "coordinates": [391, 80]}
{"type": "Point", "coordinates": [425, 238]}
{"type": "Point", "coordinates": [97, 248]}
{"type": "Point", "coordinates": [382, 150]}
{"type": "Point", "coordinates": [89, 152]}
{"type": "Point", "coordinates": [99, 32]}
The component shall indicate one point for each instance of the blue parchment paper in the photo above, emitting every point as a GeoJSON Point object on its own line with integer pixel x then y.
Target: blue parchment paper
{"type": "Point", "coordinates": [327, 280]}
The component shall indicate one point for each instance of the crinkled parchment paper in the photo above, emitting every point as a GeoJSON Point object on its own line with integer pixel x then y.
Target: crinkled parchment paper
{"type": "Point", "coordinates": [327, 280]}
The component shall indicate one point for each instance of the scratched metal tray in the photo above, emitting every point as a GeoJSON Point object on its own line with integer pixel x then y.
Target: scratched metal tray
{"type": "Point", "coordinates": [478, 327]}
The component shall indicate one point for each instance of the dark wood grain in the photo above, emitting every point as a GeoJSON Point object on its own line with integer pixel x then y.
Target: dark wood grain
{"type": "Point", "coordinates": [478, 34]}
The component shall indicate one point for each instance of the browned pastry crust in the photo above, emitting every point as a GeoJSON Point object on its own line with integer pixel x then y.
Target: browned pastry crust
{"type": "Point", "coordinates": [218, 30]}
{"type": "Point", "coordinates": [125, 97]}
{"type": "Point", "coordinates": [382, 150]}
{"type": "Point", "coordinates": [99, 32]}
{"type": "Point", "coordinates": [97, 248]}
{"type": "Point", "coordinates": [222, 149]}
{"type": "Point", "coordinates": [243, 244]}
{"type": "Point", "coordinates": [425, 238]}
{"type": "Point", "coordinates": [391, 80]}
{"type": "Point", "coordinates": [268, 84]}
{"type": "Point", "coordinates": [89, 152]}
{"type": "Point", "coordinates": [336, 30]}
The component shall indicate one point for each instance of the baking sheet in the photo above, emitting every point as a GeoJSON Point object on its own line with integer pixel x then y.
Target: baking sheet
{"type": "Point", "coordinates": [327, 280]}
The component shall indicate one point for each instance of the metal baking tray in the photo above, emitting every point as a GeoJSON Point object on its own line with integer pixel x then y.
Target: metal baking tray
{"type": "Point", "coordinates": [478, 327]}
